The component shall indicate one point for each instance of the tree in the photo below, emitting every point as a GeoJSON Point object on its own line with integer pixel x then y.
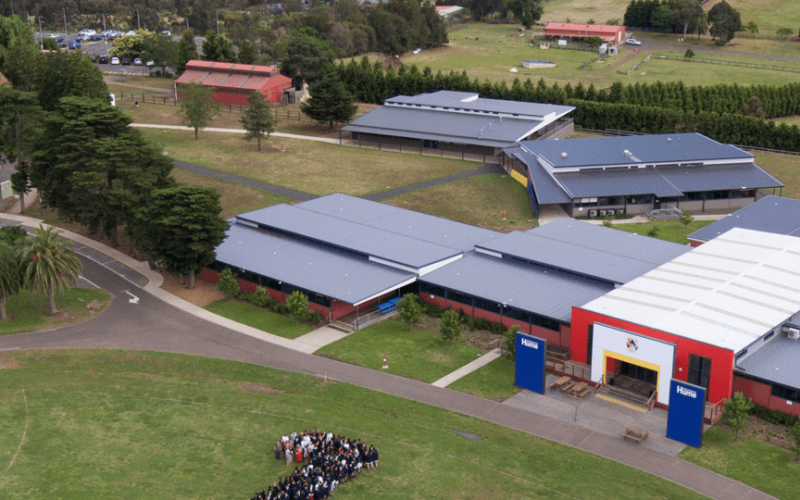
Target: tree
{"type": "Point", "coordinates": [129, 46]}
{"type": "Point", "coordinates": [258, 118]}
{"type": "Point", "coordinates": [228, 284]}
{"type": "Point", "coordinates": [19, 65]}
{"type": "Point", "coordinates": [95, 169]}
{"type": "Point", "coordinates": [794, 433]}
{"type": "Point", "coordinates": [450, 326]}
{"type": "Point", "coordinates": [187, 51]}
{"type": "Point", "coordinates": [726, 22]}
{"type": "Point", "coordinates": [12, 30]}
{"type": "Point", "coordinates": [49, 263]}
{"type": "Point", "coordinates": [752, 27]}
{"type": "Point", "coordinates": [306, 57]}
{"type": "Point", "coordinates": [50, 44]}
{"type": "Point", "coordinates": [19, 125]}
{"type": "Point", "coordinates": [510, 341]}
{"type": "Point", "coordinates": [481, 9]}
{"type": "Point", "coordinates": [218, 48]}
{"type": "Point", "coordinates": [689, 54]}
{"type": "Point", "coordinates": [784, 32]}
{"type": "Point", "coordinates": [687, 217]}
{"type": "Point", "coordinates": [409, 309]}
{"type": "Point", "coordinates": [330, 102]}
{"type": "Point", "coordinates": [196, 106]}
{"type": "Point", "coordinates": [180, 227]}
{"type": "Point", "coordinates": [753, 108]}
{"type": "Point", "coordinates": [248, 52]}
{"type": "Point", "coordinates": [10, 276]}
{"type": "Point", "coordinates": [527, 12]}
{"type": "Point", "coordinates": [61, 74]}
{"type": "Point", "coordinates": [662, 19]}
{"type": "Point", "coordinates": [686, 14]}
{"type": "Point", "coordinates": [161, 49]}
{"type": "Point", "coordinates": [297, 304]}
{"type": "Point", "coordinates": [736, 411]}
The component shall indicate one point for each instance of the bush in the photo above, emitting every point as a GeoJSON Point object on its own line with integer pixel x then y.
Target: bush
{"type": "Point", "coordinates": [261, 298]}
{"type": "Point", "coordinates": [409, 309]}
{"type": "Point", "coordinates": [736, 410]}
{"type": "Point", "coordinates": [510, 342]}
{"type": "Point", "coordinates": [228, 284]}
{"type": "Point", "coordinates": [297, 305]}
{"type": "Point", "coordinates": [774, 416]}
{"type": "Point", "coordinates": [450, 326]}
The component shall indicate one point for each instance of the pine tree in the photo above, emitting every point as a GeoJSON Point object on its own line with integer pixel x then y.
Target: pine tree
{"type": "Point", "coordinates": [258, 118]}
{"type": "Point", "coordinates": [330, 102]}
{"type": "Point", "coordinates": [187, 51]}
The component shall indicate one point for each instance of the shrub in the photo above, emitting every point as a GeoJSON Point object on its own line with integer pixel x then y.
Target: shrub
{"type": "Point", "coordinates": [262, 299]}
{"type": "Point", "coordinates": [409, 309]}
{"type": "Point", "coordinates": [689, 54]}
{"type": "Point", "coordinates": [794, 433]}
{"type": "Point", "coordinates": [450, 326]}
{"type": "Point", "coordinates": [736, 410]}
{"type": "Point", "coordinates": [774, 416]}
{"type": "Point", "coordinates": [687, 217]}
{"type": "Point", "coordinates": [228, 284]}
{"type": "Point", "coordinates": [297, 305]}
{"type": "Point", "coordinates": [510, 342]}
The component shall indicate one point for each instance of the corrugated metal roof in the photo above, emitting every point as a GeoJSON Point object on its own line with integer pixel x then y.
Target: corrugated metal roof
{"type": "Point", "coordinates": [191, 77]}
{"type": "Point", "coordinates": [726, 293]}
{"type": "Point", "coordinates": [775, 361]}
{"type": "Point", "coordinates": [400, 221]}
{"type": "Point", "coordinates": [712, 177]}
{"type": "Point", "coordinates": [606, 151]}
{"type": "Point", "coordinates": [773, 214]}
{"type": "Point", "coordinates": [524, 286]}
{"type": "Point", "coordinates": [547, 190]}
{"type": "Point", "coordinates": [597, 252]}
{"type": "Point", "coordinates": [215, 79]}
{"type": "Point", "coordinates": [351, 236]}
{"type": "Point", "coordinates": [617, 182]}
{"type": "Point", "coordinates": [334, 273]}
{"type": "Point", "coordinates": [424, 136]}
{"type": "Point", "coordinates": [456, 100]}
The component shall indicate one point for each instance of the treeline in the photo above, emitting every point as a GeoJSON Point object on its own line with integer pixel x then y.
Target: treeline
{"type": "Point", "coordinates": [660, 107]}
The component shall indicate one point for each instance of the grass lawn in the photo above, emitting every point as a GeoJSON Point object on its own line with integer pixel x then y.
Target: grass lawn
{"type": "Point", "coordinates": [259, 318]}
{"type": "Point", "coordinates": [477, 201]}
{"type": "Point", "coordinates": [31, 312]}
{"type": "Point", "coordinates": [144, 81]}
{"type": "Point", "coordinates": [785, 168]}
{"type": "Point", "coordinates": [109, 424]}
{"type": "Point", "coordinates": [494, 381]}
{"type": "Point", "coordinates": [309, 166]}
{"type": "Point", "coordinates": [417, 354]}
{"type": "Point", "coordinates": [234, 198]}
{"type": "Point", "coordinates": [671, 230]}
{"type": "Point", "coordinates": [123, 90]}
{"type": "Point", "coordinates": [761, 465]}
{"type": "Point", "coordinates": [583, 11]}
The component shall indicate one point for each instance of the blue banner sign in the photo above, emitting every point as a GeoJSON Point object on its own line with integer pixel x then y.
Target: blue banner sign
{"type": "Point", "coordinates": [530, 367]}
{"type": "Point", "coordinates": [686, 408]}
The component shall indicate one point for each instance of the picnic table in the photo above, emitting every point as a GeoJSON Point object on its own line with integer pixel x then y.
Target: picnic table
{"type": "Point", "coordinates": [577, 388]}
{"type": "Point", "coordinates": [558, 384]}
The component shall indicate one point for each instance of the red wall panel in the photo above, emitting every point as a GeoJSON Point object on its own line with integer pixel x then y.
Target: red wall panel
{"type": "Point", "coordinates": [721, 359]}
{"type": "Point", "coordinates": [695, 243]}
{"type": "Point", "coordinates": [758, 392]}
{"type": "Point", "coordinates": [781, 404]}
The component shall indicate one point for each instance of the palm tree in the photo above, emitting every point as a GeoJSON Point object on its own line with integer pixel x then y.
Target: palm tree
{"type": "Point", "coordinates": [10, 278]}
{"type": "Point", "coordinates": [49, 263]}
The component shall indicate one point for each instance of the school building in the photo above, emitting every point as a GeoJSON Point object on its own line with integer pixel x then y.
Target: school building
{"type": "Point", "coordinates": [609, 33]}
{"type": "Point", "coordinates": [772, 214]}
{"type": "Point", "coordinates": [233, 83]}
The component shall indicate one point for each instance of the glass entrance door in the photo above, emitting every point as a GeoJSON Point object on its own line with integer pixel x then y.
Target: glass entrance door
{"type": "Point", "coordinates": [638, 372]}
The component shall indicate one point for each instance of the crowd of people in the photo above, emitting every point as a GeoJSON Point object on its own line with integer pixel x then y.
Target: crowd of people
{"type": "Point", "coordinates": [324, 461]}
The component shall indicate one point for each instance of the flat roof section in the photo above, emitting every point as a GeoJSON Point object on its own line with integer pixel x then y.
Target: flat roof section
{"type": "Point", "coordinates": [775, 361]}
{"type": "Point", "coordinates": [400, 221]}
{"type": "Point", "coordinates": [772, 214]}
{"type": "Point", "coordinates": [523, 286]}
{"type": "Point", "coordinates": [616, 182]}
{"type": "Point", "coordinates": [334, 273]}
{"type": "Point", "coordinates": [471, 101]}
{"type": "Point", "coordinates": [727, 293]}
{"type": "Point", "coordinates": [660, 148]}
{"type": "Point", "coordinates": [365, 240]}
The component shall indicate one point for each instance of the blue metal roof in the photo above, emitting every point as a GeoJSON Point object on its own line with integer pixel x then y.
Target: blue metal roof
{"type": "Point", "coordinates": [396, 220]}
{"type": "Point", "coordinates": [334, 273]}
{"type": "Point", "coordinates": [528, 287]}
{"type": "Point", "coordinates": [775, 361]}
{"type": "Point", "coordinates": [616, 182]}
{"type": "Point", "coordinates": [347, 235]}
{"type": "Point", "coordinates": [773, 214]}
{"type": "Point", "coordinates": [660, 148]}
{"type": "Point", "coordinates": [471, 101]}
{"type": "Point", "coordinates": [597, 252]}
{"type": "Point", "coordinates": [712, 177]}
{"type": "Point", "coordinates": [547, 190]}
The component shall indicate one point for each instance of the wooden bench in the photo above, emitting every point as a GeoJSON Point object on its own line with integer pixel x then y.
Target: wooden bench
{"type": "Point", "coordinates": [560, 382]}
{"type": "Point", "coordinates": [635, 434]}
{"type": "Point", "coordinates": [569, 385]}
{"type": "Point", "coordinates": [580, 390]}
{"type": "Point", "coordinates": [584, 392]}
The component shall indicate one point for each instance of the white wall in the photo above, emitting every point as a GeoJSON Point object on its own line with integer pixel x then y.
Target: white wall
{"type": "Point", "coordinates": [614, 341]}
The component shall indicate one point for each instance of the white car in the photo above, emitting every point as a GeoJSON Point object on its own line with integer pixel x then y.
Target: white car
{"type": "Point", "coordinates": [131, 32]}
{"type": "Point", "coordinates": [166, 33]}
{"type": "Point", "coordinates": [149, 63]}
{"type": "Point", "coordinates": [87, 32]}
{"type": "Point", "coordinates": [633, 41]}
{"type": "Point", "coordinates": [115, 60]}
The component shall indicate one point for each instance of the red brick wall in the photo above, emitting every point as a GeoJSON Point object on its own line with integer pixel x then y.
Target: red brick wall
{"type": "Point", "coordinates": [761, 394]}
{"type": "Point", "coordinates": [783, 405]}
{"type": "Point", "coordinates": [721, 359]}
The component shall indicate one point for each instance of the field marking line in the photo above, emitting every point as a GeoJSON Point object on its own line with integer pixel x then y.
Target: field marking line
{"type": "Point", "coordinates": [24, 432]}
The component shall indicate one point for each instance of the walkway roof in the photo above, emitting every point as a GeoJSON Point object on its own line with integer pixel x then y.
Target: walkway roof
{"type": "Point", "coordinates": [775, 361]}
{"type": "Point", "coordinates": [773, 214]}
{"type": "Point", "coordinates": [337, 274]}
{"type": "Point", "coordinates": [727, 293]}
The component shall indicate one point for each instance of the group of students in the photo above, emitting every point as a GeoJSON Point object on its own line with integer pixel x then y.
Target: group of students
{"type": "Point", "coordinates": [325, 462]}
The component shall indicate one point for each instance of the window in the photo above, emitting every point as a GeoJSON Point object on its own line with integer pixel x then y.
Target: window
{"type": "Point", "coordinates": [355, 136]}
{"type": "Point", "coordinates": [487, 305]}
{"type": "Point", "coordinates": [787, 393]}
{"type": "Point", "coordinates": [589, 341]}
{"type": "Point", "coordinates": [699, 371]}
{"type": "Point", "coordinates": [430, 144]}
{"type": "Point", "coordinates": [459, 297]}
{"type": "Point", "coordinates": [431, 289]}
{"type": "Point", "coordinates": [270, 283]}
{"type": "Point", "coordinates": [514, 313]}
{"type": "Point", "coordinates": [769, 335]}
{"type": "Point", "coordinates": [741, 354]}
{"type": "Point", "coordinates": [248, 276]}
{"type": "Point", "coordinates": [695, 196]}
{"type": "Point", "coordinates": [640, 199]}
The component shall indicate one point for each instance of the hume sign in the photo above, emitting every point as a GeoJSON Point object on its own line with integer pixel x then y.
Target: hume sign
{"type": "Point", "coordinates": [530, 367]}
{"type": "Point", "coordinates": [686, 409]}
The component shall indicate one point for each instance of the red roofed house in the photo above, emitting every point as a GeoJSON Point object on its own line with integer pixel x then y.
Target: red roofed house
{"type": "Point", "coordinates": [609, 33]}
{"type": "Point", "coordinates": [233, 83]}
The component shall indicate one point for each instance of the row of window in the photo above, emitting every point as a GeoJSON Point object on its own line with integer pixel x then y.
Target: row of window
{"type": "Point", "coordinates": [271, 283]}
{"type": "Point", "coordinates": [787, 393]}
{"type": "Point", "coordinates": [491, 306]}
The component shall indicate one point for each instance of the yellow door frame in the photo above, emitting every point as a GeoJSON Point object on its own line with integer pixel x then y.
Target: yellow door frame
{"type": "Point", "coordinates": [633, 361]}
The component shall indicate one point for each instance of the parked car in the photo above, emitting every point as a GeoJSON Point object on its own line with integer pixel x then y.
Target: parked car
{"type": "Point", "coordinates": [150, 63]}
{"type": "Point", "coordinates": [93, 58]}
{"type": "Point", "coordinates": [166, 33]}
{"type": "Point", "coordinates": [75, 44]}
{"type": "Point", "coordinates": [137, 62]}
{"type": "Point", "coordinates": [62, 44]}
{"type": "Point", "coordinates": [103, 59]}
{"type": "Point", "coordinates": [131, 32]}
{"type": "Point", "coordinates": [115, 60]}
{"type": "Point", "coordinates": [126, 61]}
{"type": "Point", "coordinates": [112, 100]}
{"type": "Point", "coordinates": [633, 41]}
{"type": "Point", "coordinates": [87, 32]}
{"type": "Point", "coordinates": [95, 38]}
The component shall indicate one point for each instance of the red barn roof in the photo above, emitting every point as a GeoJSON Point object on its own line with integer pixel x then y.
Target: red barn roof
{"type": "Point", "coordinates": [242, 77]}
{"type": "Point", "coordinates": [608, 32]}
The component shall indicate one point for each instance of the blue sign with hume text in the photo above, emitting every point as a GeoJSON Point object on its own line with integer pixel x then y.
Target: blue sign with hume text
{"type": "Point", "coordinates": [529, 367]}
{"type": "Point", "coordinates": [687, 404]}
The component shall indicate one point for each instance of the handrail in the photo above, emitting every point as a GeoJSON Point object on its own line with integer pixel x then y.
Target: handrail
{"type": "Point", "coordinates": [652, 401]}
{"type": "Point", "coordinates": [600, 383]}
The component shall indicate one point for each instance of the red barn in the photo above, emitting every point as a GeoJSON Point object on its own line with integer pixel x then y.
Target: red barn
{"type": "Point", "coordinates": [610, 34]}
{"type": "Point", "coordinates": [233, 83]}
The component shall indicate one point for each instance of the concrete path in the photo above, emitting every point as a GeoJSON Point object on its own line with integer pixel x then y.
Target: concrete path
{"type": "Point", "coordinates": [468, 368]}
{"type": "Point", "coordinates": [153, 325]}
{"type": "Point", "coordinates": [237, 131]}
{"type": "Point", "coordinates": [319, 338]}
{"type": "Point", "coordinates": [485, 169]}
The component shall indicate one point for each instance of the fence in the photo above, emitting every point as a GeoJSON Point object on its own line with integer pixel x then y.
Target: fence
{"type": "Point", "coordinates": [713, 412]}
{"type": "Point", "coordinates": [230, 108]}
{"type": "Point", "coordinates": [731, 63]}
{"type": "Point", "coordinates": [570, 368]}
